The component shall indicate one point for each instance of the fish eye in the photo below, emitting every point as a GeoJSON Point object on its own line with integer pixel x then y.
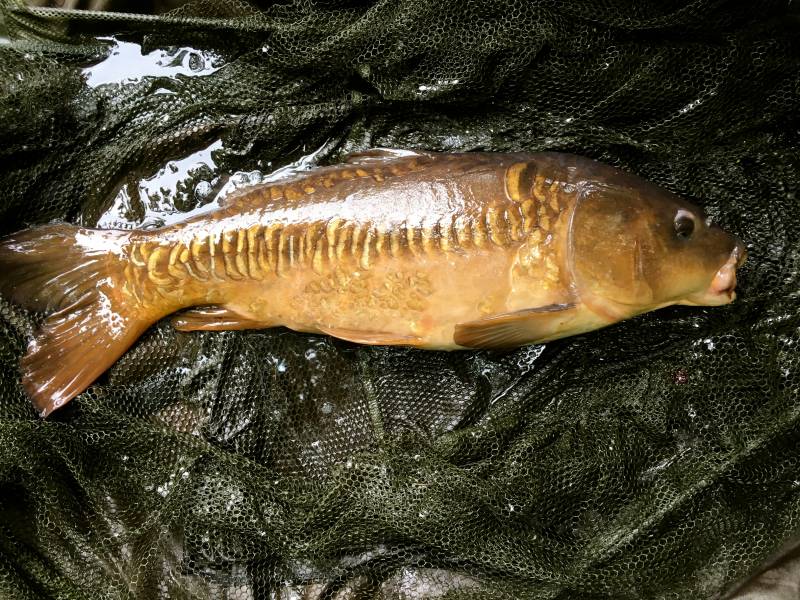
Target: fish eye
{"type": "Point", "coordinates": [684, 225]}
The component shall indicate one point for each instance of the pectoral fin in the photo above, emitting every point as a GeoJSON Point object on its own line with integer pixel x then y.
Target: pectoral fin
{"type": "Point", "coordinates": [214, 318]}
{"type": "Point", "coordinates": [372, 338]}
{"type": "Point", "coordinates": [510, 330]}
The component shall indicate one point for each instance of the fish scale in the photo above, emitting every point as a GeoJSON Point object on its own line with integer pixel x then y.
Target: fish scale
{"type": "Point", "coordinates": [243, 256]}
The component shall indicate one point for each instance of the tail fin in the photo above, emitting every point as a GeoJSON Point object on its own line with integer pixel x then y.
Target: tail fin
{"type": "Point", "coordinates": [76, 272]}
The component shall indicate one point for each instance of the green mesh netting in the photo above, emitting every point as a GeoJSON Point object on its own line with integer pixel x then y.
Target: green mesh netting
{"type": "Point", "coordinates": [659, 458]}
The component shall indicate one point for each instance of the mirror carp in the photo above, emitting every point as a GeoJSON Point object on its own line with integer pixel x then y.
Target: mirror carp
{"type": "Point", "coordinates": [430, 250]}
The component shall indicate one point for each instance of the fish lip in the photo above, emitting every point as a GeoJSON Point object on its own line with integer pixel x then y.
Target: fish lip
{"type": "Point", "coordinates": [709, 298]}
{"type": "Point", "coordinates": [722, 289]}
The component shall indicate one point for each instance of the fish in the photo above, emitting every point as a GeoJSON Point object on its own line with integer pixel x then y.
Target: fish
{"type": "Point", "coordinates": [439, 251]}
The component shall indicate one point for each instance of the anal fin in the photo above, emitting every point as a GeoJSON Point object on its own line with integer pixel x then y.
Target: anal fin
{"type": "Point", "coordinates": [372, 338]}
{"type": "Point", "coordinates": [215, 318]}
{"type": "Point", "coordinates": [514, 329]}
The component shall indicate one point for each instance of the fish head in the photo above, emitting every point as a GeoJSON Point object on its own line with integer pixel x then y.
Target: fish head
{"type": "Point", "coordinates": [634, 247]}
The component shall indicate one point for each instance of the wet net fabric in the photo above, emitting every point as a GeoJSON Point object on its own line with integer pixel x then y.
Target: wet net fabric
{"type": "Point", "coordinates": [658, 458]}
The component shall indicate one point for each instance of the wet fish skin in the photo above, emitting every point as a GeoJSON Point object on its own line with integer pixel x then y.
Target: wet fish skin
{"type": "Point", "coordinates": [379, 245]}
{"type": "Point", "coordinates": [437, 251]}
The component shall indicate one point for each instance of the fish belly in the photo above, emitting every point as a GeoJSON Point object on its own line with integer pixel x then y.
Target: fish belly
{"type": "Point", "coordinates": [421, 298]}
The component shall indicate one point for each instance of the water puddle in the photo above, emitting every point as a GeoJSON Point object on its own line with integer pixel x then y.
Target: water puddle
{"type": "Point", "coordinates": [188, 186]}
{"type": "Point", "coordinates": [127, 64]}
{"type": "Point", "coordinates": [151, 202]}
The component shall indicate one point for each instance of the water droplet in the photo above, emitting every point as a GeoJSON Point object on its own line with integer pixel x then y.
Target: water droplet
{"type": "Point", "coordinates": [195, 62]}
{"type": "Point", "coordinates": [202, 190]}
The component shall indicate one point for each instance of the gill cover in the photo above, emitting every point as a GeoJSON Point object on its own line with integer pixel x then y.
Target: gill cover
{"type": "Point", "coordinates": [610, 253]}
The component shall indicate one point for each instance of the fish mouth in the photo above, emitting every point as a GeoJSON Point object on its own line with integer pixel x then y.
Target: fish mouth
{"type": "Point", "coordinates": [722, 289]}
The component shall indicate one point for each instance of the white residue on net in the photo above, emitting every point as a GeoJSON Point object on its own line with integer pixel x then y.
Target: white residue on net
{"type": "Point", "coordinates": [127, 64]}
{"type": "Point", "coordinates": [439, 85]}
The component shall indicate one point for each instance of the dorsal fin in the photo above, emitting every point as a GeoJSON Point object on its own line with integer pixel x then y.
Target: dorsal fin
{"type": "Point", "coordinates": [379, 154]}
{"type": "Point", "coordinates": [366, 159]}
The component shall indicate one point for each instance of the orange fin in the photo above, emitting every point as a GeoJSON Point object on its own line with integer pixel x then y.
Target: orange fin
{"type": "Point", "coordinates": [68, 269]}
{"type": "Point", "coordinates": [73, 348]}
{"type": "Point", "coordinates": [510, 330]}
{"type": "Point", "coordinates": [372, 338]}
{"type": "Point", "coordinates": [379, 155]}
{"type": "Point", "coordinates": [214, 318]}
